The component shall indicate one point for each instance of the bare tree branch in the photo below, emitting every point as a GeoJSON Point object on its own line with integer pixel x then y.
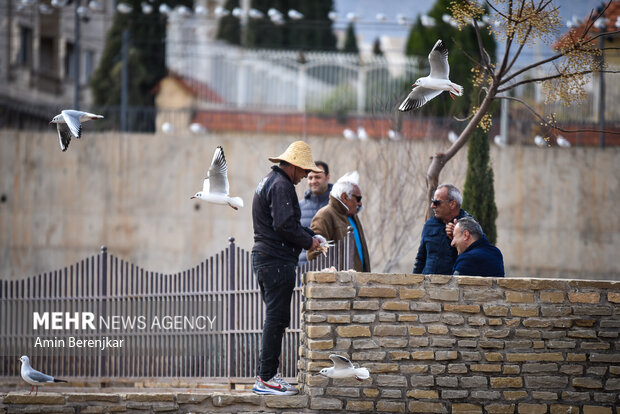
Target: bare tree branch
{"type": "Point", "coordinates": [547, 123]}
{"type": "Point", "coordinates": [557, 75]}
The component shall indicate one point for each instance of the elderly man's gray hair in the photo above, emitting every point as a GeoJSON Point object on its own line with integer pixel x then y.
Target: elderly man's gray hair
{"type": "Point", "coordinates": [345, 184]}
{"type": "Point", "coordinates": [468, 223]}
{"type": "Point", "coordinates": [453, 193]}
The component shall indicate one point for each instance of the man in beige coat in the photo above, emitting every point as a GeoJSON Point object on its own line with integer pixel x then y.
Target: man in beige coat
{"type": "Point", "coordinates": [332, 221]}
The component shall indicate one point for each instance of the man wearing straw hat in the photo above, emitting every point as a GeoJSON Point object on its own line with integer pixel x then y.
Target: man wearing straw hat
{"type": "Point", "coordinates": [278, 240]}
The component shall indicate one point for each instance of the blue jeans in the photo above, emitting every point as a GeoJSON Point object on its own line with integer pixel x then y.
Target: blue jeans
{"type": "Point", "coordinates": [277, 281]}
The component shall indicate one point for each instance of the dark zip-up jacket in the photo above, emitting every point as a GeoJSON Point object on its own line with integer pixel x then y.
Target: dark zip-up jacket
{"type": "Point", "coordinates": [275, 214]}
{"type": "Point", "coordinates": [309, 205]}
{"type": "Point", "coordinates": [435, 255]}
{"type": "Point", "coordinates": [481, 258]}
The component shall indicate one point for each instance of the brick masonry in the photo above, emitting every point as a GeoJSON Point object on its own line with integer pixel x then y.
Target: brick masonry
{"type": "Point", "coordinates": [443, 344]}
{"type": "Point", "coordinates": [433, 344]}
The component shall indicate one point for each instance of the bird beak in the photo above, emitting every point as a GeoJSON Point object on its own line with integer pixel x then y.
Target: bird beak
{"type": "Point", "coordinates": [192, 197]}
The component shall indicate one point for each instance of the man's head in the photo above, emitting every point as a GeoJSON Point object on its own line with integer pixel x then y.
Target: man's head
{"type": "Point", "coordinates": [446, 202]}
{"type": "Point", "coordinates": [319, 182]}
{"type": "Point", "coordinates": [296, 161]}
{"type": "Point", "coordinates": [348, 191]}
{"type": "Point", "coordinates": [466, 231]}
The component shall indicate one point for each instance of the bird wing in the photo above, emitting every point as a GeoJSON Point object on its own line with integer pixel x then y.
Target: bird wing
{"type": "Point", "coordinates": [362, 373]}
{"type": "Point", "coordinates": [37, 376]}
{"type": "Point", "coordinates": [418, 97]}
{"type": "Point", "coordinates": [217, 175]}
{"type": "Point", "coordinates": [64, 136]}
{"type": "Point", "coordinates": [340, 362]}
{"type": "Point", "coordinates": [438, 58]}
{"type": "Point", "coordinates": [72, 118]}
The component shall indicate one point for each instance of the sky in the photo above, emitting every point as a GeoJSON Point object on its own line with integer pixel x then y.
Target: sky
{"type": "Point", "coordinates": [369, 28]}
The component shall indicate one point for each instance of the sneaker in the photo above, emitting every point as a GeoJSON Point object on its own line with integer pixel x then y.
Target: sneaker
{"type": "Point", "coordinates": [275, 386]}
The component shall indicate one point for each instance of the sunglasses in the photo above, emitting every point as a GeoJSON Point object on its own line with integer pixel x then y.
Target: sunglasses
{"type": "Point", "coordinates": [358, 198]}
{"type": "Point", "coordinates": [438, 202]}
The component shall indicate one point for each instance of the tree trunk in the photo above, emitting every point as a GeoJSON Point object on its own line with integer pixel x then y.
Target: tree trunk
{"type": "Point", "coordinates": [439, 160]}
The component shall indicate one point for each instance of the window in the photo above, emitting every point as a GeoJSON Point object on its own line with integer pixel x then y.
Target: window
{"type": "Point", "coordinates": [69, 61]}
{"type": "Point", "coordinates": [89, 64]}
{"type": "Point", "coordinates": [47, 55]}
{"type": "Point", "coordinates": [25, 46]}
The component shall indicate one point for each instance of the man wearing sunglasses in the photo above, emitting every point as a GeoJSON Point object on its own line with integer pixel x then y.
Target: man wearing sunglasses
{"type": "Point", "coordinates": [435, 255]}
{"type": "Point", "coordinates": [333, 220]}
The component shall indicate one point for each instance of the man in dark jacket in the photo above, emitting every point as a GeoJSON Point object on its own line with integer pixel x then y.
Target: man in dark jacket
{"type": "Point", "coordinates": [314, 199]}
{"type": "Point", "coordinates": [435, 255]}
{"type": "Point", "coordinates": [477, 257]}
{"type": "Point", "coordinates": [278, 240]}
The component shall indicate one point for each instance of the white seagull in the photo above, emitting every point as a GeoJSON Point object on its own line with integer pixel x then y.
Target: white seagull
{"type": "Point", "coordinates": [215, 186]}
{"type": "Point", "coordinates": [540, 141]}
{"type": "Point", "coordinates": [428, 87]}
{"type": "Point", "coordinates": [452, 136]}
{"type": "Point", "coordinates": [69, 122]}
{"type": "Point", "coordinates": [349, 134]}
{"type": "Point", "coordinates": [343, 368]}
{"type": "Point", "coordinates": [562, 142]}
{"type": "Point", "coordinates": [34, 377]}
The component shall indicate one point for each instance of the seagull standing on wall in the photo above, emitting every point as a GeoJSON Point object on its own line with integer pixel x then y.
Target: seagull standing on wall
{"type": "Point", "coordinates": [69, 122]}
{"type": "Point", "coordinates": [428, 87]}
{"type": "Point", "coordinates": [215, 186]}
{"type": "Point", "coordinates": [34, 377]}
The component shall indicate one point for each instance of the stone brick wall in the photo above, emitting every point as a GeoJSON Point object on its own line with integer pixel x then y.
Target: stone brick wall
{"type": "Point", "coordinates": [443, 344]}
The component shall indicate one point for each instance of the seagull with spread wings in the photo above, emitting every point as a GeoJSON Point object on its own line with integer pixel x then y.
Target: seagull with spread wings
{"type": "Point", "coordinates": [69, 122]}
{"type": "Point", "coordinates": [428, 87]}
{"type": "Point", "coordinates": [215, 186]}
{"type": "Point", "coordinates": [343, 368]}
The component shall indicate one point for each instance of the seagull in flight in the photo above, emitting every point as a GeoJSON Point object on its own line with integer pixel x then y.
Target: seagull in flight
{"type": "Point", "coordinates": [428, 87]}
{"type": "Point", "coordinates": [215, 186]}
{"type": "Point", "coordinates": [343, 368]}
{"type": "Point", "coordinates": [34, 377]}
{"type": "Point", "coordinates": [69, 122]}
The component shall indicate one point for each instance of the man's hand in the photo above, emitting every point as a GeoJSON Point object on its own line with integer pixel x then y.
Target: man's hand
{"type": "Point", "coordinates": [450, 229]}
{"type": "Point", "coordinates": [316, 243]}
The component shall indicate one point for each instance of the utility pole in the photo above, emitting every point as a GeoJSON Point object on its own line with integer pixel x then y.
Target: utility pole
{"type": "Point", "coordinates": [124, 81]}
{"type": "Point", "coordinates": [76, 59]}
{"type": "Point", "coordinates": [601, 95]}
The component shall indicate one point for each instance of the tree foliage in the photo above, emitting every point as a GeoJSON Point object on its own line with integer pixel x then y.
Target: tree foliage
{"type": "Point", "coordinates": [229, 28]}
{"type": "Point", "coordinates": [350, 40]}
{"type": "Point", "coordinates": [460, 43]}
{"type": "Point", "coordinates": [518, 24]}
{"type": "Point", "coordinates": [146, 57]}
{"type": "Point", "coordinates": [376, 48]}
{"type": "Point", "coordinates": [478, 192]}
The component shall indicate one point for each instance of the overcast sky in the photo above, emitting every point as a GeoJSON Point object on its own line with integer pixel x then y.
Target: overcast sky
{"type": "Point", "coordinates": [370, 29]}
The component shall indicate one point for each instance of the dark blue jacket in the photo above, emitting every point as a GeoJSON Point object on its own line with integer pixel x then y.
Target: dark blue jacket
{"type": "Point", "coordinates": [275, 215]}
{"type": "Point", "coordinates": [481, 258]}
{"type": "Point", "coordinates": [435, 255]}
{"type": "Point", "coordinates": [309, 205]}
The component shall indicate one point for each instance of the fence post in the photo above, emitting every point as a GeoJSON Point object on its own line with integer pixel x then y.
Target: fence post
{"type": "Point", "coordinates": [348, 249]}
{"type": "Point", "coordinates": [103, 290]}
{"type": "Point", "coordinates": [230, 358]}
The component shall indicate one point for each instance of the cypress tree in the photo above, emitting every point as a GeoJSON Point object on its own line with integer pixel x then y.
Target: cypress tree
{"type": "Point", "coordinates": [229, 28]}
{"type": "Point", "coordinates": [350, 42]}
{"type": "Point", "coordinates": [376, 48]}
{"type": "Point", "coordinates": [478, 193]}
{"type": "Point", "coordinates": [146, 63]}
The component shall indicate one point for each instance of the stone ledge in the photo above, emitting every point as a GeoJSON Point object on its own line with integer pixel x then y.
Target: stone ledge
{"type": "Point", "coordinates": [41, 398]}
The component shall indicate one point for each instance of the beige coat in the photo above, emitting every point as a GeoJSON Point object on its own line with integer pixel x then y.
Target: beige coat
{"type": "Point", "coordinates": [331, 222]}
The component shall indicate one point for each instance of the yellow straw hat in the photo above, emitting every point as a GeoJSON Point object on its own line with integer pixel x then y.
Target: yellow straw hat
{"type": "Point", "coordinates": [298, 154]}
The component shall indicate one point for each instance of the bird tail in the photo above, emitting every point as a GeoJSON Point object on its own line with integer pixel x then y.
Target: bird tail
{"type": "Point", "coordinates": [59, 380]}
{"type": "Point", "coordinates": [362, 373]}
{"type": "Point", "coordinates": [236, 201]}
{"type": "Point", "coordinates": [458, 89]}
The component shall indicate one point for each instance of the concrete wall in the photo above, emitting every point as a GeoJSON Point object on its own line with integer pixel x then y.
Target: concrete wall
{"type": "Point", "coordinates": [558, 214]}
{"type": "Point", "coordinates": [458, 344]}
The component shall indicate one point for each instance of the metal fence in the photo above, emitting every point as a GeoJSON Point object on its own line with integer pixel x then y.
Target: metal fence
{"type": "Point", "coordinates": [116, 291]}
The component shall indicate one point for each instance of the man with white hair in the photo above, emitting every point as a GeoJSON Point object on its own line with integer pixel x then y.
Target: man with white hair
{"type": "Point", "coordinates": [333, 220]}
